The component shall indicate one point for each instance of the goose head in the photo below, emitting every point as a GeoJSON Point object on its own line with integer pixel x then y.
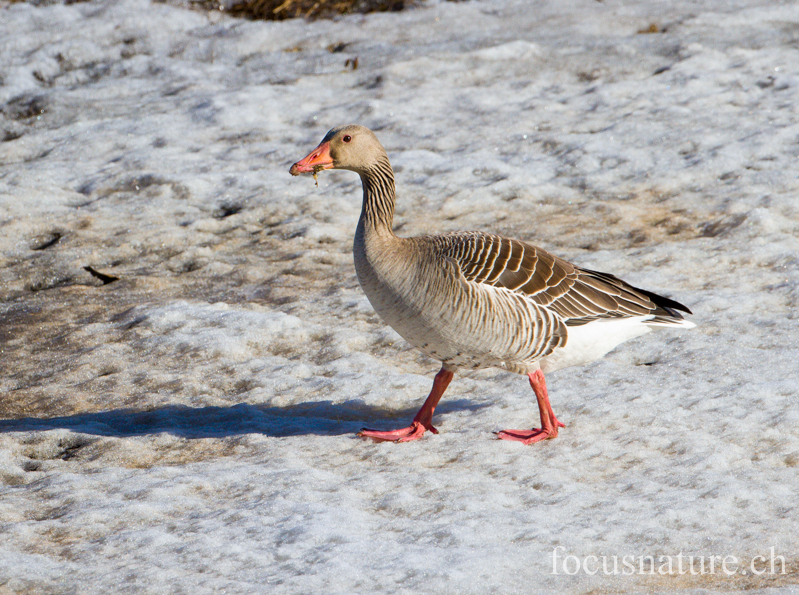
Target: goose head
{"type": "Point", "coordinates": [352, 147]}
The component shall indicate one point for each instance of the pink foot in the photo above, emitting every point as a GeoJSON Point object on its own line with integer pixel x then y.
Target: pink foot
{"type": "Point", "coordinates": [549, 423]}
{"type": "Point", "coordinates": [423, 420]}
{"type": "Point", "coordinates": [413, 432]}
{"type": "Point", "coordinates": [527, 436]}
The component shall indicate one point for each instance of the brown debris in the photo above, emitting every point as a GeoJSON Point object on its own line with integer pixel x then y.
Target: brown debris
{"type": "Point", "coordinates": [653, 28]}
{"type": "Point", "coordinates": [277, 10]}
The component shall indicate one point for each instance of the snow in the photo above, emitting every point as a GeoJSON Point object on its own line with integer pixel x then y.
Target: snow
{"type": "Point", "coordinates": [191, 426]}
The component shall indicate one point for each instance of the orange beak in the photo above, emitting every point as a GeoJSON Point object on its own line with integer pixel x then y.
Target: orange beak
{"type": "Point", "coordinates": [317, 160]}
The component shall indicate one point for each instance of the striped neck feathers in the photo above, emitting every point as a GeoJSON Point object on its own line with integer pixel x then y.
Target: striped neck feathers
{"type": "Point", "coordinates": [378, 195]}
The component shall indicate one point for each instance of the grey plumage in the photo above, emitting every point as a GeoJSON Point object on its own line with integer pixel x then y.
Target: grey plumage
{"type": "Point", "coordinates": [475, 299]}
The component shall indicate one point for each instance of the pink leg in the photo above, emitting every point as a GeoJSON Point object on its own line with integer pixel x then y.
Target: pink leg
{"type": "Point", "coordinates": [549, 423]}
{"type": "Point", "coordinates": [423, 420]}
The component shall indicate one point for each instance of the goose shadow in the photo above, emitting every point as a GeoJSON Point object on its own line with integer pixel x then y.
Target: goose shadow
{"type": "Point", "coordinates": [322, 418]}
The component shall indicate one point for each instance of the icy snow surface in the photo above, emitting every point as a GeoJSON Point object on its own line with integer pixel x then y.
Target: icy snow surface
{"type": "Point", "coordinates": [190, 427]}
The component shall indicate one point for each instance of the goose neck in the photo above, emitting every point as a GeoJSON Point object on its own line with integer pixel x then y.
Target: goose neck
{"type": "Point", "coordinates": [378, 197]}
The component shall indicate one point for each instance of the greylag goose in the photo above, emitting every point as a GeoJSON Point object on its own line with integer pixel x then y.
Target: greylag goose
{"type": "Point", "coordinates": [476, 300]}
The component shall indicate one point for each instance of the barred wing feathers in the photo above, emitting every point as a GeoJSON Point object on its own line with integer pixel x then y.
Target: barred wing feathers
{"type": "Point", "coordinates": [577, 295]}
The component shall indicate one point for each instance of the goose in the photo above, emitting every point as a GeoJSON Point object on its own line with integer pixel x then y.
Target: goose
{"type": "Point", "coordinates": [477, 300]}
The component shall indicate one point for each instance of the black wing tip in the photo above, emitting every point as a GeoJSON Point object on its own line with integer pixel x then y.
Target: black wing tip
{"type": "Point", "coordinates": [668, 305]}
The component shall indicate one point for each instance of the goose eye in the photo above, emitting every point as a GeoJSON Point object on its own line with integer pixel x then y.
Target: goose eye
{"type": "Point", "coordinates": [346, 138]}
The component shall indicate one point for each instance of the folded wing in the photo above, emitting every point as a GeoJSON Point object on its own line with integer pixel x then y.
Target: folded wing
{"type": "Point", "coordinates": [576, 295]}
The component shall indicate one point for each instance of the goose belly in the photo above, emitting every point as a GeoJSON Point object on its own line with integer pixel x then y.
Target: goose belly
{"type": "Point", "coordinates": [434, 332]}
{"type": "Point", "coordinates": [459, 325]}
